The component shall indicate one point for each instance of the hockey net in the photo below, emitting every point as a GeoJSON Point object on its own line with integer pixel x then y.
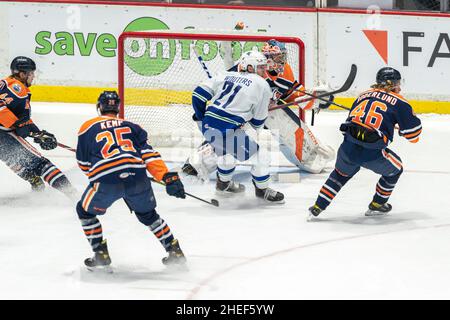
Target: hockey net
{"type": "Point", "coordinates": [159, 70]}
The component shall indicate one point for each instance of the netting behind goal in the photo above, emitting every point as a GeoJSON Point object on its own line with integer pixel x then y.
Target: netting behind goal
{"type": "Point", "coordinates": [159, 70]}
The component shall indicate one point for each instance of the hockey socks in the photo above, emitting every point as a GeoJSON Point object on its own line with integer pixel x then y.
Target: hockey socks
{"type": "Point", "coordinates": [330, 189]}
{"type": "Point", "coordinates": [384, 188]}
{"type": "Point", "coordinates": [162, 232]}
{"type": "Point", "coordinates": [94, 233]}
{"type": "Point", "coordinates": [57, 180]}
{"type": "Point", "coordinates": [158, 226]}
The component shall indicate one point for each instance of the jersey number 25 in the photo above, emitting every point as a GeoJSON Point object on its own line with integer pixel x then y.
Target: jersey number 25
{"type": "Point", "coordinates": [116, 139]}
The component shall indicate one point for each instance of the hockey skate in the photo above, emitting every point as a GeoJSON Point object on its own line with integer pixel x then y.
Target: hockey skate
{"type": "Point", "coordinates": [101, 260]}
{"type": "Point", "coordinates": [269, 195]}
{"type": "Point", "coordinates": [37, 184]}
{"type": "Point", "coordinates": [314, 211]}
{"type": "Point", "coordinates": [228, 187]}
{"type": "Point", "coordinates": [377, 209]}
{"type": "Point", "coordinates": [176, 258]}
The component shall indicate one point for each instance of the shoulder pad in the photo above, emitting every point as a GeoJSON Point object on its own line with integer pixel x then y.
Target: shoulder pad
{"type": "Point", "coordinates": [17, 88]}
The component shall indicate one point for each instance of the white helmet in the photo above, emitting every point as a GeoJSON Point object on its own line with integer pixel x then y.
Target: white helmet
{"type": "Point", "coordinates": [252, 58]}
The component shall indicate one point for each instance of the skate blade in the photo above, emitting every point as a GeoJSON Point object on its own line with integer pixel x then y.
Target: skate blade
{"type": "Point", "coordinates": [371, 213]}
{"type": "Point", "coordinates": [100, 269]}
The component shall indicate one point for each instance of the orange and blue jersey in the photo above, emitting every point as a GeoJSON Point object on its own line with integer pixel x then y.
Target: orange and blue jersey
{"type": "Point", "coordinates": [14, 104]}
{"type": "Point", "coordinates": [381, 111]}
{"type": "Point", "coordinates": [110, 150]}
{"type": "Point", "coordinates": [285, 83]}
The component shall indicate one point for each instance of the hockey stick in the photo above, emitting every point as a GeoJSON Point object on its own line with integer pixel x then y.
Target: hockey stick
{"type": "Point", "coordinates": [347, 84]}
{"type": "Point", "coordinates": [203, 64]}
{"type": "Point", "coordinates": [213, 202]}
{"type": "Point", "coordinates": [66, 147]}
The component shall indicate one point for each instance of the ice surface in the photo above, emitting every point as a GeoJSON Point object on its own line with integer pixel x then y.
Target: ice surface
{"type": "Point", "coordinates": [240, 250]}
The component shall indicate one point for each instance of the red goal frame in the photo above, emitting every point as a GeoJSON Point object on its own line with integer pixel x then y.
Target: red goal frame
{"type": "Point", "coordinates": [202, 36]}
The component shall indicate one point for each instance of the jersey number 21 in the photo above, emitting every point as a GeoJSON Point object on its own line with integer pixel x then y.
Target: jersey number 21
{"type": "Point", "coordinates": [228, 86]}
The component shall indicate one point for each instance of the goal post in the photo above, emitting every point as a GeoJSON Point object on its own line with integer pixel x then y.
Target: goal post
{"type": "Point", "coordinates": [158, 71]}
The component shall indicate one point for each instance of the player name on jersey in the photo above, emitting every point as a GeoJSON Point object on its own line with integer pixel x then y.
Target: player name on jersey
{"type": "Point", "coordinates": [111, 124]}
{"type": "Point", "coordinates": [379, 95]}
{"type": "Point", "coordinates": [240, 80]}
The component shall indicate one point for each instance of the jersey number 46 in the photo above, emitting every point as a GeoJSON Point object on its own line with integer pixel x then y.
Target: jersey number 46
{"type": "Point", "coordinates": [371, 118]}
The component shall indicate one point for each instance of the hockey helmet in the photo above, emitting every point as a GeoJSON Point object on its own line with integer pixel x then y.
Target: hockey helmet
{"type": "Point", "coordinates": [252, 58]}
{"type": "Point", "coordinates": [22, 64]}
{"type": "Point", "coordinates": [388, 76]}
{"type": "Point", "coordinates": [276, 55]}
{"type": "Point", "coordinates": [108, 102]}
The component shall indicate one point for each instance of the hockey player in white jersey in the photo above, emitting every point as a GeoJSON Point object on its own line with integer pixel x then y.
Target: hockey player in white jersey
{"type": "Point", "coordinates": [237, 98]}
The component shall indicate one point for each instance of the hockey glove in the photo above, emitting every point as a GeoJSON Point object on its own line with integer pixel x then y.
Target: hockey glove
{"type": "Point", "coordinates": [46, 140]}
{"type": "Point", "coordinates": [24, 127]}
{"type": "Point", "coordinates": [174, 186]}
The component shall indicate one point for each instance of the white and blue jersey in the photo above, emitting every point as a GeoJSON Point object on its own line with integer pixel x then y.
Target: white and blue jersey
{"type": "Point", "coordinates": [235, 98]}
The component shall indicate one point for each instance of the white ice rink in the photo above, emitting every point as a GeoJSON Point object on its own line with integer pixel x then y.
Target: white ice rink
{"type": "Point", "coordinates": [241, 250]}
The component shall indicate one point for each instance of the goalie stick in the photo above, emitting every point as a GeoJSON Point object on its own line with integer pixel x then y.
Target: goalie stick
{"type": "Point", "coordinates": [347, 84]}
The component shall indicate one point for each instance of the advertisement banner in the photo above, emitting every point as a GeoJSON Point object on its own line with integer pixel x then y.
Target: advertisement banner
{"type": "Point", "coordinates": [418, 46]}
{"type": "Point", "coordinates": [77, 44]}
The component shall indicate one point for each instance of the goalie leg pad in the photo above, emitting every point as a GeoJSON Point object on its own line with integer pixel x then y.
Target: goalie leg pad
{"type": "Point", "coordinates": [203, 160]}
{"type": "Point", "coordinates": [297, 143]}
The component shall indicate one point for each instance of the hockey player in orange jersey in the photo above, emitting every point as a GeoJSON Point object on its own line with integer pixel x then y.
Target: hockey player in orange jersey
{"type": "Point", "coordinates": [16, 125]}
{"type": "Point", "coordinates": [115, 156]}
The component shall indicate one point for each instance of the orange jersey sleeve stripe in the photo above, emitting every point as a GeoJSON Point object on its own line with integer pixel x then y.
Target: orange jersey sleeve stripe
{"type": "Point", "coordinates": [148, 155]}
{"type": "Point", "coordinates": [157, 169]}
{"type": "Point", "coordinates": [7, 118]}
{"type": "Point", "coordinates": [413, 135]}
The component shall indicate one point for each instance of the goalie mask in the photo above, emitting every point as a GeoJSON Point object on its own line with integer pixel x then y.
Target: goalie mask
{"type": "Point", "coordinates": [108, 102]}
{"type": "Point", "coordinates": [254, 59]}
{"type": "Point", "coordinates": [276, 55]}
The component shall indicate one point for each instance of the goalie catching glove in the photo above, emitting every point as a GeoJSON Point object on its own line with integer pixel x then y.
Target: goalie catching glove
{"type": "Point", "coordinates": [174, 186]}
{"type": "Point", "coordinates": [45, 139]}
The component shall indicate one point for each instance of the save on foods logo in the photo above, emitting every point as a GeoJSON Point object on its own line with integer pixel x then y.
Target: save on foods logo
{"type": "Point", "coordinates": [147, 57]}
{"type": "Point", "coordinates": [150, 57]}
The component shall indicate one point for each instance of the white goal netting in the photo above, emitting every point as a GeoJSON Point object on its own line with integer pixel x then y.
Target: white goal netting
{"type": "Point", "coordinates": [159, 70]}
